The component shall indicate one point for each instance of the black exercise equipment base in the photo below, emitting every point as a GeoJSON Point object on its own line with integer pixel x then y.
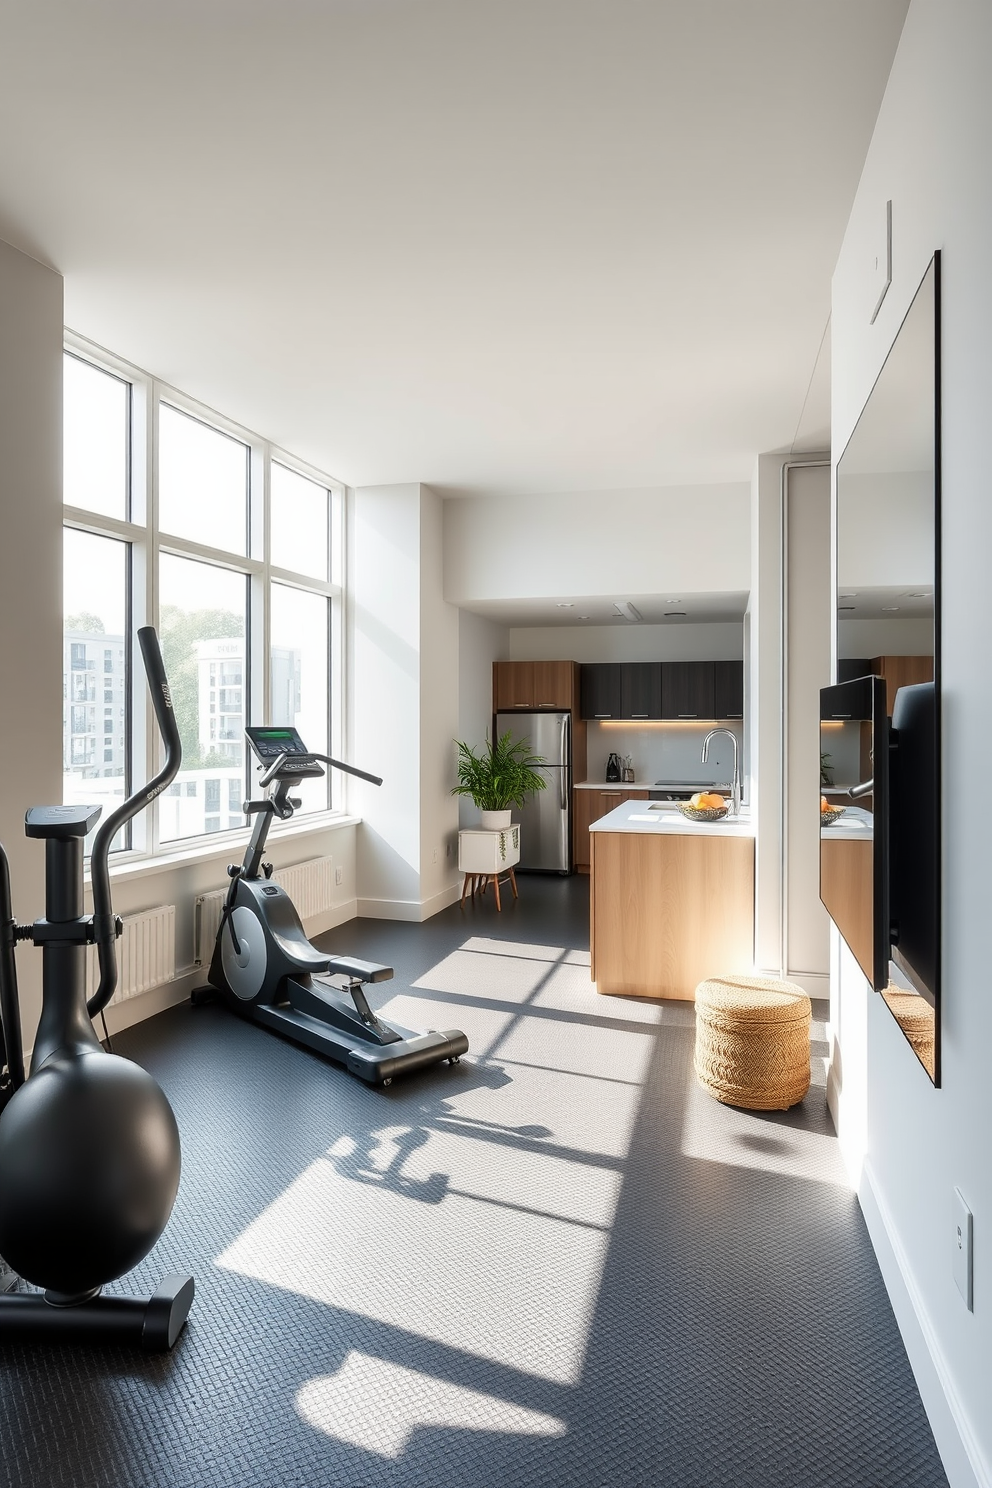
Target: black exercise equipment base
{"type": "Point", "coordinates": [154, 1323]}
{"type": "Point", "coordinates": [376, 1055]}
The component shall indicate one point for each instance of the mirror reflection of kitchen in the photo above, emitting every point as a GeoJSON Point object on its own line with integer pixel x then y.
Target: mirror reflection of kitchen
{"type": "Point", "coordinates": [847, 835]}
{"type": "Point", "coordinates": [887, 513]}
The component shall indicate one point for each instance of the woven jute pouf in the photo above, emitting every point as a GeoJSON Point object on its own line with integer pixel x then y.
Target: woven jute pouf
{"type": "Point", "coordinates": [918, 1022]}
{"type": "Point", "coordinates": [752, 1041]}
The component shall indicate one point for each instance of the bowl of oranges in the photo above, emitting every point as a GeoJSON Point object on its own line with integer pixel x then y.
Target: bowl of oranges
{"type": "Point", "coordinates": [704, 806]}
{"type": "Point", "coordinates": [829, 814]}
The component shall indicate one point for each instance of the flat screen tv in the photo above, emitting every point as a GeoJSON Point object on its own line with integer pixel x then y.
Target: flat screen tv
{"type": "Point", "coordinates": [854, 836]}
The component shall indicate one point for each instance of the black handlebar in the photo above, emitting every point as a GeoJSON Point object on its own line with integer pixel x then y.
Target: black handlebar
{"type": "Point", "coordinates": [104, 924]}
{"type": "Point", "coordinates": [350, 769]}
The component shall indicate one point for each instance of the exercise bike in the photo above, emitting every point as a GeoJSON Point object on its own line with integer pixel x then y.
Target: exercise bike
{"type": "Point", "coordinates": [89, 1146]}
{"type": "Point", "coordinates": [266, 969]}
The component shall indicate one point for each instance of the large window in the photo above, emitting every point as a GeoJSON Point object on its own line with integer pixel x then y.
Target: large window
{"type": "Point", "coordinates": [176, 518]}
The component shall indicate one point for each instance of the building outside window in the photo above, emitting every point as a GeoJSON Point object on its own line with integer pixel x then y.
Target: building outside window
{"type": "Point", "coordinates": [245, 624]}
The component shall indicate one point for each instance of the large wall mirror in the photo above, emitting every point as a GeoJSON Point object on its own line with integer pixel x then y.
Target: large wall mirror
{"type": "Point", "coordinates": [888, 625]}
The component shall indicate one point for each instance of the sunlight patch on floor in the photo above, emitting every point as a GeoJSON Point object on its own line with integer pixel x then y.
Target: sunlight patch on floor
{"type": "Point", "coordinates": [497, 1201]}
{"type": "Point", "coordinates": [379, 1406]}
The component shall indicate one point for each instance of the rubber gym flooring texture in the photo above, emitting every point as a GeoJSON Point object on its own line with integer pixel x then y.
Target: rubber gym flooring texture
{"type": "Point", "coordinates": [559, 1263]}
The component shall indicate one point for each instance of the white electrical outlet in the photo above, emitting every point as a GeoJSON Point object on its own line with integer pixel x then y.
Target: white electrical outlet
{"type": "Point", "coordinates": [338, 876]}
{"type": "Point", "coordinates": [963, 1279]}
{"type": "Point", "coordinates": [435, 855]}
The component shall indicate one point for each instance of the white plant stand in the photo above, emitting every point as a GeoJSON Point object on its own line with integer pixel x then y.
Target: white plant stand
{"type": "Point", "coordinates": [486, 857]}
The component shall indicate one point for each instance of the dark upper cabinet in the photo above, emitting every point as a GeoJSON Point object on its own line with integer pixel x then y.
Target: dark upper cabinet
{"type": "Point", "coordinates": [600, 690]}
{"type": "Point", "coordinates": [728, 689]}
{"type": "Point", "coordinates": [656, 689]}
{"type": "Point", "coordinates": [849, 668]}
{"type": "Point", "coordinates": [687, 689]}
{"type": "Point", "coordinates": [640, 689]}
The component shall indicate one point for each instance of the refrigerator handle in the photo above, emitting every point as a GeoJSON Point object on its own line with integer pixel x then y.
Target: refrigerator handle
{"type": "Point", "coordinates": [563, 761]}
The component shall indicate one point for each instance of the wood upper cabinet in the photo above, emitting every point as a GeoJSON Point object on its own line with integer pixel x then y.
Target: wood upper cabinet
{"type": "Point", "coordinates": [640, 689]}
{"type": "Point", "coordinates": [600, 690]}
{"type": "Point", "coordinates": [687, 689]}
{"type": "Point", "coordinates": [900, 671]}
{"type": "Point", "coordinates": [533, 684]}
{"type": "Point", "coordinates": [728, 689]}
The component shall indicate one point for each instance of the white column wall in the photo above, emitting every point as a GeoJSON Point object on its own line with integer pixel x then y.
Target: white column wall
{"type": "Point", "coordinates": [929, 157]}
{"type": "Point", "coordinates": [438, 721]}
{"type": "Point", "coordinates": [808, 611]}
{"type": "Point", "coordinates": [403, 702]}
{"type": "Point", "coordinates": [30, 582]}
{"type": "Point", "coordinates": [764, 670]}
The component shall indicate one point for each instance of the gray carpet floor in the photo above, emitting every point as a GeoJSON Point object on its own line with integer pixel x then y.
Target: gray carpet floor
{"type": "Point", "coordinates": [558, 1263]}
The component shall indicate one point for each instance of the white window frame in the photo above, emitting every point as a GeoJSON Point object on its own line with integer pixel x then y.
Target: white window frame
{"type": "Point", "coordinates": [147, 543]}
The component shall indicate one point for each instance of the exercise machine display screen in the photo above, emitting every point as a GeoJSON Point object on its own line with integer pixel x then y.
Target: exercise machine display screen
{"type": "Point", "coordinates": [269, 743]}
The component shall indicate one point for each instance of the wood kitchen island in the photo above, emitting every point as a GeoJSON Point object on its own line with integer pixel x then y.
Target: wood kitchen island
{"type": "Point", "coordinates": [671, 900]}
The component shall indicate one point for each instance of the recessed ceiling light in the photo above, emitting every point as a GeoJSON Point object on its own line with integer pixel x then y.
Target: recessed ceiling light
{"type": "Point", "coordinates": [850, 596]}
{"type": "Point", "coordinates": [924, 594]}
{"type": "Point", "coordinates": [565, 604]}
{"type": "Point", "coordinates": [585, 617]}
{"type": "Point", "coordinates": [673, 601]}
{"type": "Point", "coordinates": [890, 607]}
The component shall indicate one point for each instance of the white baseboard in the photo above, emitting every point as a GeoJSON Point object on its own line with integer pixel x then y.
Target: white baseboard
{"type": "Point", "coordinates": [959, 1451]}
{"type": "Point", "coordinates": [813, 983]}
{"type": "Point", "coordinates": [330, 919]}
{"type": "Point", "coordinates": [411, 910]}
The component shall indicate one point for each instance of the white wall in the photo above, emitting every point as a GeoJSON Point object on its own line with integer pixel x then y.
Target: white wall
{"type": "Point", "coordinates": [692, 538]}
{"type": "Point", "coordinates": [30, 582]}
{"type": "Point", "coordinates": [627, 642]}
{"type": "Point", "coordinates": [929, 156]}
{"type": "Point", "coordinates": [808, 608]}
{"type": "Point", "coordinates": [403, 702]}
{"type": "Point", "coordinates": [480, 643]}
{"type": "Point", "coordinates": [765, 671]}
{"type": "Point", "coordinates": [438, 721]}
{"type": "Point", "coordinates": [665, 751]}
{"type": "Point", "coordinates": [870, 638]}
{"type": "Point", "coordinates": [885, 531]}
{"type": "Point", "coordinates": [384, 689]}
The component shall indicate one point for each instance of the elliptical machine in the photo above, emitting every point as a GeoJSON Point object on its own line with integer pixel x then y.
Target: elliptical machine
{"type": "Point", "coordinates": [264, 966]}
{"type": "Point", "coordinates": [89, 1146]}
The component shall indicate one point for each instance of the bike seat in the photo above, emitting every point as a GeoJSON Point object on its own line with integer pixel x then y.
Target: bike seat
{"type": "Point", "coordinates": [358, 971]}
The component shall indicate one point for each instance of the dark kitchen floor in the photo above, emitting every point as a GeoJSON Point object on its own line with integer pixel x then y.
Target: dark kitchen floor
{"type": "Point", "coordinates": [558, 1263]}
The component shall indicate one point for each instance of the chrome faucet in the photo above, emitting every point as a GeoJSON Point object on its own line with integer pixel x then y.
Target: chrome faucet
{"type": "Point", "coordinates": [735, 785]}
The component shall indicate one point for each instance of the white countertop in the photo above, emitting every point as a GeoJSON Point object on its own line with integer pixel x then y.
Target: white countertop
{"type": "Point", "coordinates": [612, 785]}
{"type": "Point", "coordinates": [856, 825]}
{"type": "Point", "coordinates": [662, 817]}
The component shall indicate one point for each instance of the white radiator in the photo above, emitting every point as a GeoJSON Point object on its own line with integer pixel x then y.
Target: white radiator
{"type": "Point", "coordinates": [146, 954]}
{"type": "Point", "coordinates": [207, 909]}
{"type": "Point", "coordinates": [310, 885]}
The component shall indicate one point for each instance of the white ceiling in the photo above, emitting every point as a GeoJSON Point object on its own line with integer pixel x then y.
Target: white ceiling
{"type": "Point", "coordinates": [515, 246]}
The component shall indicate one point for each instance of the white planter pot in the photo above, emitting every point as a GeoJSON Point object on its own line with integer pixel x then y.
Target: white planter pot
{"type": "Point", "coordinates": [494, 821]}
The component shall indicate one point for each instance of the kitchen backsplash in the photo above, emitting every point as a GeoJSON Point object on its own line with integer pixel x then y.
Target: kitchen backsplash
{"type": "Point", "coordinates": [664, 752]}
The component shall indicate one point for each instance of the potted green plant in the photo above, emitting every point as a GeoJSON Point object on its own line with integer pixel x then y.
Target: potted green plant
{"type": "Point", "coordinates": [503, 773]}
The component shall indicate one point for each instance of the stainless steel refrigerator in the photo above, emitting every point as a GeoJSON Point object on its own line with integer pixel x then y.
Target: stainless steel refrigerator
{"type": "Point", "coordinates": [546, 819]}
